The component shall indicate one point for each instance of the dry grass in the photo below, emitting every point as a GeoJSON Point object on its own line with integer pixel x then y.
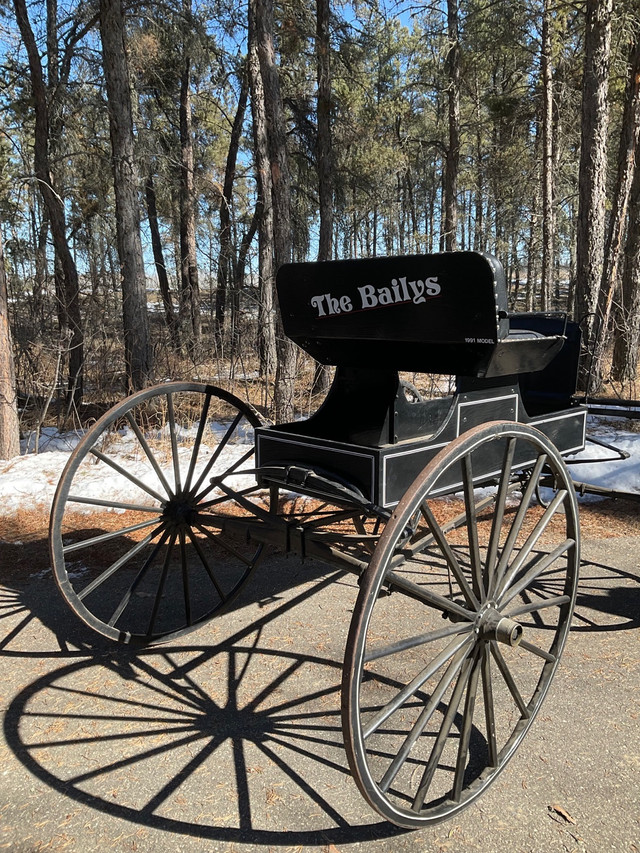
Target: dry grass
{"type": "Point", "coordinates": [24, 548]}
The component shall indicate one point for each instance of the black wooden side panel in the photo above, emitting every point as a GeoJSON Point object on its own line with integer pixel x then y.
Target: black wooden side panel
{"type": "Point", "coordinates": [352, 463]}
{"type": "Point", "coordinates": [383, 474]}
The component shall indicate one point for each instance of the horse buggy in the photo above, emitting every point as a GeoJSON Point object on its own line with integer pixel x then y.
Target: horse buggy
{"type": "Point", "coordinates": [456, 513]}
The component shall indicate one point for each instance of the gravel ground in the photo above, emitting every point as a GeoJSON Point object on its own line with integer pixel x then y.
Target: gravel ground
{"type": "Point", "coordinates": [230, 739]}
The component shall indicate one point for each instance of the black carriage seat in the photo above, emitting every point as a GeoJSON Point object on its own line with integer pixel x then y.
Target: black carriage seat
{"type": "Point", "coordinates": [441, 313]}
{"type": "Point", "coordinates": [373, 318]}
{"type": "Point", "coordinates": [553, 387]}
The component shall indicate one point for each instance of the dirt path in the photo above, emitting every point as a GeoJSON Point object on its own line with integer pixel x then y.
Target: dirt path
{"type": "Point", "coordinates": [230, 738]}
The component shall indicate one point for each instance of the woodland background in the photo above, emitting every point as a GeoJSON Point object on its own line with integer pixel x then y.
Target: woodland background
{"type": "Point", "coordinates": [160, 160]}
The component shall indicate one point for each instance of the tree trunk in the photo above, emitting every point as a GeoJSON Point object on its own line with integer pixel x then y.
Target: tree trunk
{"type": "Point", "coordinates": [548, 206]}
{"type": "Point", "coordinates": [629, 141]}
{"type": "Point", "coordinates": [161, 269]}
{"type": "Point", "coordinates": [592, 178]}
{"type": "Point", "coordinates": [9, 426]}
{"type": "Point", "coordinates": [323, 139]}
{"type": "Point", "coordinates": [453, 149]}
{"type": "Point", "coordinates": [69, 295]}
{"type": "Point", "coordinates": [625, 353]}
{"type": "Point", "coordinates": [190, 287]}
{"type": "Point", "coordinates": [322, 377]}
{"type": "Point", "coordinates": [280, 196]}
{"type": "Point", "coordinates": [227, 273]}
{"type": "Point", "coordinates": [125, 178]}
{"type": "Point", "coordinates": [264, 210]}
{"type": "Point", "coordinates": [532, 251]}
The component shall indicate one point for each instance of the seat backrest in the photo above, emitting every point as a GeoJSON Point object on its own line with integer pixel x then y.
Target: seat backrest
{"type": "Point", "coordinates": [437, 313]}
{"type": "Point", "coordinates": [553, 387]}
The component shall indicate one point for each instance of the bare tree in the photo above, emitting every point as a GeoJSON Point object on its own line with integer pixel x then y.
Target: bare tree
{"type": "Point", "coordinates": [158, 258]}
{"type": "Point", "coordinates": [69, 292]}
{"type": "Point", "coordinates": [323, 139]}
{"type": "Point", "coordinates": [453, 148]}
{"type": "Point", "coordinates": [228, 272]}
{"type": "Point", "coordinates": [189, 279]}
{"type": "Point", "coordinates": [326, 180]}
{"type": "Point", "coordinates": [266, 309]}
{"type": "Point", "coordinates": [280, 194]}
{"type": "Point", "coordinates": [592, 174]}
{"type": "Point", "coordinates": [125, 178]}
{"type": "Point", "coordinates": [9, 427]}
{"type": "Point", "coordinates": [625, 353]}
{"type": "Point", "coordinates": [548, 206]}
{"type": "Point", "coordinates": [629, 142]}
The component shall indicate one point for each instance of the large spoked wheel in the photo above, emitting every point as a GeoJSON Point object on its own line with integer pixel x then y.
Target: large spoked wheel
{"type": "Point", "coordinates": [137, 533]}
{"type": "Point", "coordinates": [459, 624]}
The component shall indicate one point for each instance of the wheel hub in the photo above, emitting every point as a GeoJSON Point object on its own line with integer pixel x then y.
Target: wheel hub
{"type": "Point", "coordinates": [492, 625]}
{"type": "Point", "coordinates": [179, 511]}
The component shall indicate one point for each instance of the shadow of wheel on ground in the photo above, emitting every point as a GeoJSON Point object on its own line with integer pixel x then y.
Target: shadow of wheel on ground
{"type": "Point", "coordinates": [225, 743]}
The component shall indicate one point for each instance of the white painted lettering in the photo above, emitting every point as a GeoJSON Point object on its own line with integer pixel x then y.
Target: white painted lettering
{"type": "Point", "coordinates": [384, 296]}
{"type": "Point", "coordinates": [332, 304]}
{"type": "Point", "coordinates": [368, 296]}
{"type": "Point", "coordinates": [433, 288]}
{"type": "Point", "coordinates": [417, 288]}
{"type": "Point", "coordinates": [317, 301]}
{"type": "Point", "coordinates": [401, 291]}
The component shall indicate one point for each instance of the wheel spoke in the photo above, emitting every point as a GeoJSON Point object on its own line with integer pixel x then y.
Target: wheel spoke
{"type": "Point", "coordinates": [216, 482]}
{"type": "Point", "coordinates": [112, 504]}
{"type": "Point", "coordinates": [498, 515]}
{"type": "Point", "coordinates": [419, 545]}
{"type": "Point", "coordinates": [457, 649]}
{"type": "Point", "coordinates": [394, 581]}
{"type": "Point", "coordinates": [148, 453]}
{"type": "Point", "coordinates": [412, 642]}
{"type": "Point", "coordinates": [512, 571]}
{"type": "Point", "coordinates": [427, 712]}
{"type": "Point", "coordinates": [185, 576]}
{"type": "Point", "coordinates": [443, 735]}
{"type": "Point", "coordinates": [195, 452]}
{"type": "Point", "coordinates": [205, 564]}
{"type": "Point", "coordinates": [536, 650]}
{"type": "Point", "coordinates": [467, 725]}
{"type": "Point", "coordinates": [126, 598]}
{"type": "Point", "coordinates": [516, 525]}
{"type": "Point", "coordinates": [219, 540]}
{"type": "Point", "coordinates": [538, 566]}
{"type": "Point", "coordinates": [225, 499]}
{"type": "Point", "coordinates": [214, 456]}
{"type": "Point", "coordinates": [449, 555]}
{"type": "Point", "coordinates": [556, 601]}
{"type": "Point", "coordinates": [106, 537]}
{"type": "Point", "coordinates": [113, 568]}
{"type": "Point", "coordinates": [508, 678]}
{"type": "Point", "coordinates": [174, 443]}
{"type": "Point", "coordinates": [161, 584]}
{"type": "Point", "coordinates": [489, 708]}
{"type": "Point", "coordinates": [258, 512]}
{"type": "Point", "coordinates": [127, 475]}
{"type": "Point", "coordinates": [472, 528]}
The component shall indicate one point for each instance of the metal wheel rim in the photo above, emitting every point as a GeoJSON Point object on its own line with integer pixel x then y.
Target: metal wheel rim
{"type": "Point", "coordinates": [370, 591]}
{"type": "Point", "coordinates": [61, 504]}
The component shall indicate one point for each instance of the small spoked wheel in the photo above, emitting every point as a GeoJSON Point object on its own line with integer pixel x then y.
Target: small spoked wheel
{"type": "Point", "coordinates": [137, 532]}
{"type": "Point", "coordinates": [459, 624]}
